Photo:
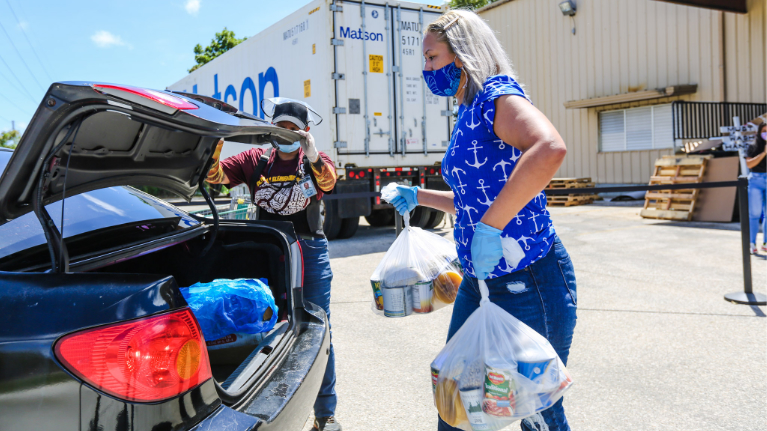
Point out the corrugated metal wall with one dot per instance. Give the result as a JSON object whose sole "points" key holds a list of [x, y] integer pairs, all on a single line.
{"points": [[623, 46], [746, 52]]}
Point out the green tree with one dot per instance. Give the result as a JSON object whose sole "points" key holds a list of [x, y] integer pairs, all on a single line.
{"points": [[224, 41], [9, 139], [469, 4]]}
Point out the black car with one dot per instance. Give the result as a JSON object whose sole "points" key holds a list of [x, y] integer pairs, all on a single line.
{"points": [[94, 332]]}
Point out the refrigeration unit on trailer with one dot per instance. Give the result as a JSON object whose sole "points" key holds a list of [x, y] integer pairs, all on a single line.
{"points": [[357, 63]]}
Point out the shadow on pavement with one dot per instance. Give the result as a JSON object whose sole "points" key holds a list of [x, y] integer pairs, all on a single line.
{"points": [[699, 225], [758, 311]]}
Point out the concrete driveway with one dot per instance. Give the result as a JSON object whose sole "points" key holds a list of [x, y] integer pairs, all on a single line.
{"points": [[656, 345]]}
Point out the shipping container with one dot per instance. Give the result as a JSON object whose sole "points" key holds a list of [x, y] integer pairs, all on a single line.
{"points": [[358, 64]]}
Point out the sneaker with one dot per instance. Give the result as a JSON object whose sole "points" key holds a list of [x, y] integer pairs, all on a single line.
{"points": [[326, 424], [753, 248]]}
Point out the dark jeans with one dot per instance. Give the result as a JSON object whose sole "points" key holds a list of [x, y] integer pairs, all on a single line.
{"points": [[757, 204], [317, 278], [543, 297]]}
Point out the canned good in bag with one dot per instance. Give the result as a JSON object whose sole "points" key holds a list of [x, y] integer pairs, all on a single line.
{"points": [[434, 379], [500, 392], [422, 293], [472, 399], [377, 295], [397, 301]]}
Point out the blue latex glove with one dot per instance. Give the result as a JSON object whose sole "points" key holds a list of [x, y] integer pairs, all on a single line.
{"points": [[486, 250], [407, 199]]}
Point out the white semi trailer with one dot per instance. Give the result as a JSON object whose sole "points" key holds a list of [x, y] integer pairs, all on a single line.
{"points": [[358, 63]]}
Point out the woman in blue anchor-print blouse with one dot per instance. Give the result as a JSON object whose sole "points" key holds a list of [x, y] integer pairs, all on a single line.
{"points": [[502, 154]]}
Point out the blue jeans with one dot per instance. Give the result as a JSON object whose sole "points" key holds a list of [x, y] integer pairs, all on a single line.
{"points": [[757, 203], [543, 297], [317, 278]]}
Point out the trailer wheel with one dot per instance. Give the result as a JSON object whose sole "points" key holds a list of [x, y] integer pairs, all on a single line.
{"points": [[380, 218], [435, 219], [420, 216], [348, 227], [331, 223]]}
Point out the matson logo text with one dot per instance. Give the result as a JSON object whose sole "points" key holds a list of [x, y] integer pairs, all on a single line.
{"points": [[358, 34]]}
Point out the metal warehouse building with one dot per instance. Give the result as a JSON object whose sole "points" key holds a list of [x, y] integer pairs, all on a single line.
{"points": [[617, 78]]}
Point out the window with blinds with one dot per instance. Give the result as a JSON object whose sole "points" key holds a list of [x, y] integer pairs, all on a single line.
{"points": [[645, 128]]}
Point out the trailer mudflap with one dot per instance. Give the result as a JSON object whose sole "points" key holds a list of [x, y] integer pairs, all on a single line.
{"points": [[353, 207]]}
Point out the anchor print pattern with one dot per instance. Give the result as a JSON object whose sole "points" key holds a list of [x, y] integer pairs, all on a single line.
{"points": [[473, 125], [458, 177], [477, 166], [482, 186], [502, 164]]}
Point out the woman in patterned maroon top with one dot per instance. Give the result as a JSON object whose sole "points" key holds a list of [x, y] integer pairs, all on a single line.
{"points": [[288, 188]]}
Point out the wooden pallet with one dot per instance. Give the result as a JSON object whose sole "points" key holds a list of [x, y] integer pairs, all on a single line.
{"points": [[674, 204], [570, 183], [573, 199]]}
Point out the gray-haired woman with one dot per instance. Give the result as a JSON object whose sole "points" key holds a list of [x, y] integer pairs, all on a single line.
{"points": [[503, 152]]}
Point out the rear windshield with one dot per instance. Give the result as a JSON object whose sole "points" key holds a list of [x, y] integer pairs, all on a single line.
{"points": [[86, 212]]}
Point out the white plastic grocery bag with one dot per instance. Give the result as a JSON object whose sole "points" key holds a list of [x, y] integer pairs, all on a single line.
{"points": [[419, 273], [495, 370]]}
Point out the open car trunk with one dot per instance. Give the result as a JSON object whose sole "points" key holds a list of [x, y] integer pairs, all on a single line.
{"points": [[240, 251], [125, 264]]}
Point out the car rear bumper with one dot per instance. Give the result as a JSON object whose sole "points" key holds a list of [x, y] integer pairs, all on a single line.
{"points": [[285, 399]]}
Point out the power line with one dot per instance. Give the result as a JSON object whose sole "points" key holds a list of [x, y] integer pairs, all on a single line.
{"points": [[22, 58], [28, 41], [16, 87], [17, 79], [14, 104]]}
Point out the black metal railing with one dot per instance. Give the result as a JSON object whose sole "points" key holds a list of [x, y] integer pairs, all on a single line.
{"points": [[701, 120]]}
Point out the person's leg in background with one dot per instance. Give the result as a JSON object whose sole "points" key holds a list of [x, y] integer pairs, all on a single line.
{"points": [[317, 280], [764, 215], [757, 184]]}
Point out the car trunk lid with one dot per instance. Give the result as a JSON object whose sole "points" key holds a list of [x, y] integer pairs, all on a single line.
{"points": [[86, 136]]}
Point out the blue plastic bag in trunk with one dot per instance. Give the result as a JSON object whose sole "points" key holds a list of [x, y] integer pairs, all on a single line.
{"points": [[224, 306]]}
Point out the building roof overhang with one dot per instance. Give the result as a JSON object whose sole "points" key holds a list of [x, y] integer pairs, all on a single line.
{"points": [[738, 6], [674, 90]]}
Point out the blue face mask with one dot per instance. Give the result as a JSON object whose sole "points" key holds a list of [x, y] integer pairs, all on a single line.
{"points": [[289, 148], [443, 82]]}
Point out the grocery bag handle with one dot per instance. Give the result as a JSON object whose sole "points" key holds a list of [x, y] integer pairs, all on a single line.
{"points": [[484, 291], [406, 219]]}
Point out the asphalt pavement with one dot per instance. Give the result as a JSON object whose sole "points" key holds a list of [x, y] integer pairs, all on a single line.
{"points": [[656, 346]]}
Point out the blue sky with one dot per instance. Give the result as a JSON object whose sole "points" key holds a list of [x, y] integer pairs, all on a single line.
{"points": [[138, 42]]}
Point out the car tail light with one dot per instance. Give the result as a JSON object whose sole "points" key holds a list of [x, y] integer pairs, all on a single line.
{"points": [[144, 360], [155, 96]]}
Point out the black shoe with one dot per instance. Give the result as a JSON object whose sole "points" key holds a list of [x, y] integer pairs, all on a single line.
{"points": [[326, 424]]}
